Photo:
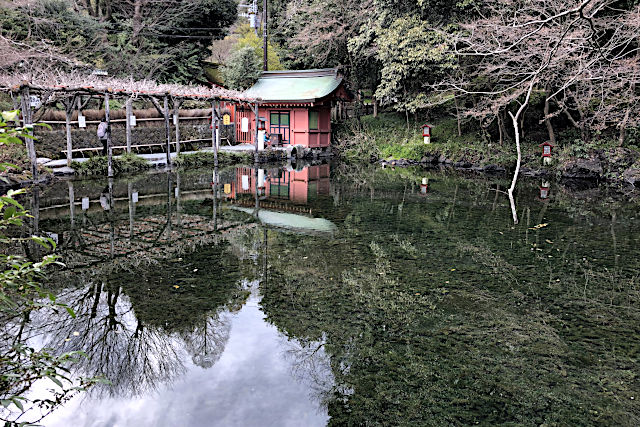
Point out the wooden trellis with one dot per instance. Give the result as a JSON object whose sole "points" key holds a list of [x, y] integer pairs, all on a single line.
{"points": [[74, 92]]}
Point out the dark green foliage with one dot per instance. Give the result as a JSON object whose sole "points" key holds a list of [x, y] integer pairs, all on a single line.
{"points": [[169, 48], [242, 69]]}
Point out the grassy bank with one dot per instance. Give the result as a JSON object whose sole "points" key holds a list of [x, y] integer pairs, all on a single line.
{"points": [[388, 137], [207, 158], [97, 166]]}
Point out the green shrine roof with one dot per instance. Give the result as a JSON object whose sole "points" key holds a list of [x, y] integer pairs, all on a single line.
{"points": [[299, 85]]}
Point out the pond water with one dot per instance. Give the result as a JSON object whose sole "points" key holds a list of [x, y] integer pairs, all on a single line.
{"points": [[336, 295]]}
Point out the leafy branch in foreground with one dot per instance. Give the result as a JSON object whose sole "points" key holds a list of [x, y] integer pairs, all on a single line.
{"points": [[21, 294]]}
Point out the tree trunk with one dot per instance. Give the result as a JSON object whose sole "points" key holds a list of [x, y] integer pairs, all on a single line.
{"points": [[515, 121], [517, 171], [547, 120], [500, 126], [455, 98], [136, 21]]}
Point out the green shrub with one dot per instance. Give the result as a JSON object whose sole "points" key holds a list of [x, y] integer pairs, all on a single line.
{"points": [[127, 163], [207, 158]]}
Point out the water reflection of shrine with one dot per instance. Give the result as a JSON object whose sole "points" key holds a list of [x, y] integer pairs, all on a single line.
{"points": [[162, 215], [278, 187]]}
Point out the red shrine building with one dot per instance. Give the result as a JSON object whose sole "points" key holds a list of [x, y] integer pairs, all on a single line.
{"points": [[296, 105]]}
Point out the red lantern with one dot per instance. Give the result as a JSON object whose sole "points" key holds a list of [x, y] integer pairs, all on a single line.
{"points": [[546, 149]]}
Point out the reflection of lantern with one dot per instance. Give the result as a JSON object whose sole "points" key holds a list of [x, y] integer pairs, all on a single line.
{"points": [[426, 133], [424, 187], [544, 190], [546, 152]]}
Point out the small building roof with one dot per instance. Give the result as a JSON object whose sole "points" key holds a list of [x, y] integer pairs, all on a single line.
{"points": [[295, 85]]}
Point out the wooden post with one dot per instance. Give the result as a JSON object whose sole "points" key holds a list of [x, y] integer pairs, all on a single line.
{"points": [[128, 118], [167, 129], [219, 123], [214, 139], [255, 112], [27, 125], [68, 109], [176, 112], [109, 150]]}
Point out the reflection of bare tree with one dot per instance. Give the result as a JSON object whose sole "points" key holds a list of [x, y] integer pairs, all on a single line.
{"points": [[312, 367], [207, 341], [133, 357]]}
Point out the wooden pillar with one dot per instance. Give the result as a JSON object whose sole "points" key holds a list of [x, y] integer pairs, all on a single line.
{"points": [[255, 112], [167, 128], [176, 112], [28, 127], [214, 138], [68, 109], [109, 150], [219, 122], [128, 124]]}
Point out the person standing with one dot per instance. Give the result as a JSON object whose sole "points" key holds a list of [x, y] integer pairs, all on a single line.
{"points": [[103, 134]]}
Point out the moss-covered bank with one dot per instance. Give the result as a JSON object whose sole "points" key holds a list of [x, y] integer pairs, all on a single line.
{"points": [[126, 163], [388, 139]]}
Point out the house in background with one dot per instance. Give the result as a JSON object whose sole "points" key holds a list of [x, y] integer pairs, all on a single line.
{"points": [[295, 105]]}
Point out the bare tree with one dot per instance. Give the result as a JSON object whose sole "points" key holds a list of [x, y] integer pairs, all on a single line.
{"points": [[573, 50]]}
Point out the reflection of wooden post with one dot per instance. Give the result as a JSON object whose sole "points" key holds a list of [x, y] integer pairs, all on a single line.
{"points": [[132, 208], [169, 206], [112, 233], [167, 128], [177, 194], [72, 207], [215, 198], [214, 139], [109, 150], [255, 180], [27, 125], [128, 124]]}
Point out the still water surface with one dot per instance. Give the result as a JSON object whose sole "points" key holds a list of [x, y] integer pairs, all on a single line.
{"points": [[333, 295]]}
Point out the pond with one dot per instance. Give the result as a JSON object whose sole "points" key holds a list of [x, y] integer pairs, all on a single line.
{"points": [[337, 295]]}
